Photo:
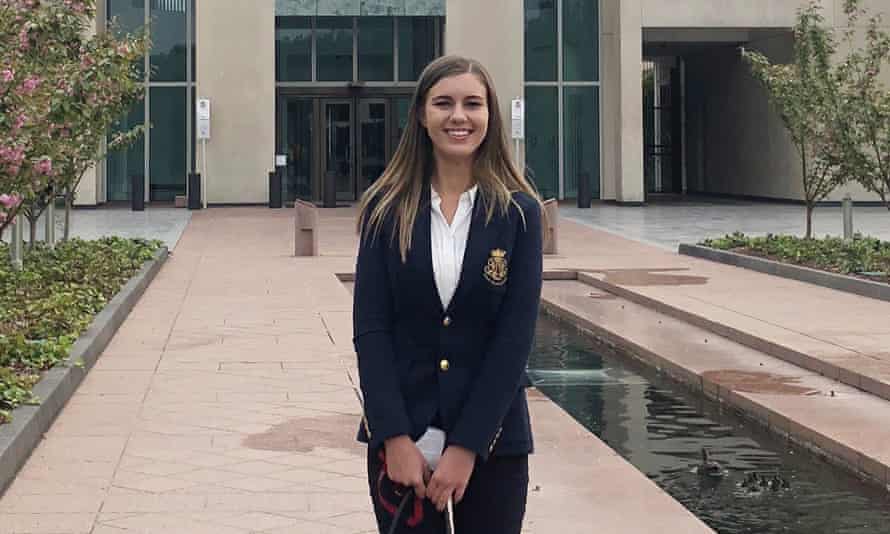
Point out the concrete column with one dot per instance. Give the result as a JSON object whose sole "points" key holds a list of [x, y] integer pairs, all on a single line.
{"points": [[622, 101], [491, 32], [89, 190], [236, 71]]}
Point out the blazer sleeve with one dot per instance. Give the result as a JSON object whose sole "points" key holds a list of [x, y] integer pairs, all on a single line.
{"points": [[500, 377], [372, 336]]}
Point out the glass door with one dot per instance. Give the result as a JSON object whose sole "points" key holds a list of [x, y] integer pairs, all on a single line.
{"points": [[296, 143], [372, 141], [337, 149]]}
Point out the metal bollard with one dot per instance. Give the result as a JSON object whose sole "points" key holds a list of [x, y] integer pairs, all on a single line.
{"points": [[17, 246], [847, 209]]}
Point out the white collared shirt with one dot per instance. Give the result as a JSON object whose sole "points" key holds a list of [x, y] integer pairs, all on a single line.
{"points": [[449, 242]]}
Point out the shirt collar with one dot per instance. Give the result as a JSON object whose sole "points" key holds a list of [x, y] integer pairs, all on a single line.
{"points": [[468, 196]]}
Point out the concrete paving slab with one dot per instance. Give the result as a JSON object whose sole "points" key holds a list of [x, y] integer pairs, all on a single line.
{"points": [[828, 331], [667, 224], [247, 417]]}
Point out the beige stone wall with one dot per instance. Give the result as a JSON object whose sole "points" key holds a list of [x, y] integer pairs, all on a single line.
{"points": [[236, 71], [622, 97], [490, 31], [717, 13], [736, 144], [91, 190], [744, 146]]}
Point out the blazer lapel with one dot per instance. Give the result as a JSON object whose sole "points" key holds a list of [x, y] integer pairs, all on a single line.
{"points": [[476, 254], [422, 257]]}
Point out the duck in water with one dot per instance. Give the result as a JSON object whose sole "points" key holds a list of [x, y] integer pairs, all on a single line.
{"points": [[708, 467], [756, 483]]}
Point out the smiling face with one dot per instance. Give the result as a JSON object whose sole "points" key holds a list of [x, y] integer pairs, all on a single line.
{"points": [[455, 116]]}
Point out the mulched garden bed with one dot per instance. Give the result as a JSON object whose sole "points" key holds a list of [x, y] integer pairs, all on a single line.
{"points": [[45, 307], [865, 258]]}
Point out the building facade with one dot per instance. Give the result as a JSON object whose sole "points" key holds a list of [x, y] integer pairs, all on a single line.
{"points": [[630, 98]]}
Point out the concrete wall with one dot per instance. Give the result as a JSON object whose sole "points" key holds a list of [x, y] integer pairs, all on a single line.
{"points": [[236, 71], [91, 190], [622, 100], [491, 32], [717, 13], [736, 142]]}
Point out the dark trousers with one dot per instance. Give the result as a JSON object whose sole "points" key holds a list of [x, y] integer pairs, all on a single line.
{"points": [[494, 502]]}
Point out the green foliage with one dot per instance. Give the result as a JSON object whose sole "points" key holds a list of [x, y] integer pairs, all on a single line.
{"points": [[52, 300], [61, 87], [865, 103], [15, 390], [856, 256], [806, 94]]}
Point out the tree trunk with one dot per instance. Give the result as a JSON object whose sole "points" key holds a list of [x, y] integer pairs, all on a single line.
{"points": [[810, 207], [32, 234], [67, 216]]}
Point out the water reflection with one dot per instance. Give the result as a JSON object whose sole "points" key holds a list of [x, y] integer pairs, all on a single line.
{"points": [[661, 428]]}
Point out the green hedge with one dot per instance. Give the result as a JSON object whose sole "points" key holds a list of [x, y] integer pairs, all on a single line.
{"points": [[864, 256], [46, 306]]}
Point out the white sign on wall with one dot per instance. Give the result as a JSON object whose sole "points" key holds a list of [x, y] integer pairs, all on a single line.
{"points": [[202, 113], [518, 115]]}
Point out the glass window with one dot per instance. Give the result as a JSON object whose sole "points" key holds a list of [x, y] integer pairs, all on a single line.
{"points": [[124, 17], [293, 49], [167, 158], [334, 48], [417, 46], [582, 144], [542, 139], [193, 135], [194, 43], [540, 40], [169, 36], [580, 33], [129, 161], [403, 107], [375, 49]]}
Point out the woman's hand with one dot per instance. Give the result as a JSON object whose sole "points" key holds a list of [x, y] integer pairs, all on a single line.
{"points": [[406, 465], [451, 476]]}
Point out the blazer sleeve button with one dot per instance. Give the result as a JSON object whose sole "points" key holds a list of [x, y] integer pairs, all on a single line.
{"points": [[444, 365]]}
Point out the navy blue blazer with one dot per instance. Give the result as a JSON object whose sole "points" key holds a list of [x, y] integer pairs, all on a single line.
{"points": [[463, 366]]}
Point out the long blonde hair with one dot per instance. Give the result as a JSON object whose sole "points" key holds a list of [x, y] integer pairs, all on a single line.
{"points": [[397, 193]]}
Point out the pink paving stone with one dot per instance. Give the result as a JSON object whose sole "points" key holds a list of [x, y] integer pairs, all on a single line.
{"points": [[807, 318], [246, 340]]}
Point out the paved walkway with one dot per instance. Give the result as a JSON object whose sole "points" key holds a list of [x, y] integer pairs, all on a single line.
{"points": [[848, 332], [668, 223], [166, 224], [222, 406]]}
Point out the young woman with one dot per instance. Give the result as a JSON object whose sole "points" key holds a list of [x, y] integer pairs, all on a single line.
{"points": [[447, 287]]}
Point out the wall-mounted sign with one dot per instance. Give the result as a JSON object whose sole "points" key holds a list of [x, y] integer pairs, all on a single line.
{"points": [[518, 115], [202, 113]]}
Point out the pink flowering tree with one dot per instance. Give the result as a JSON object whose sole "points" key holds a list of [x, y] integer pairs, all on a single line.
{"points": [[60, 90]]}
